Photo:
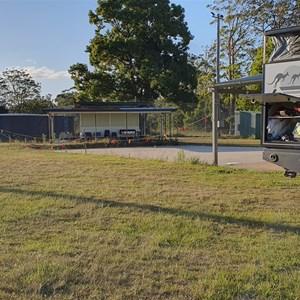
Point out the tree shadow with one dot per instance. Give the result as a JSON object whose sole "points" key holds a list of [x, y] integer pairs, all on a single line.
{"points": [[164, 210]]}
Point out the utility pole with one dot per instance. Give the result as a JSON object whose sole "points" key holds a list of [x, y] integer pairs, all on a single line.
{"points": [[216, 97]]}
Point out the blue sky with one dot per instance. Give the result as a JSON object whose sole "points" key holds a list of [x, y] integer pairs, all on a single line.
{"points": [[46, 37]]}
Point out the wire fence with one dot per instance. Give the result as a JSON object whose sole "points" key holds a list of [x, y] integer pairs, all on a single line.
{"points": [[198, 126]]}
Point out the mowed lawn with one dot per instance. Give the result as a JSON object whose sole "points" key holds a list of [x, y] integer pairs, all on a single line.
{"points": [[75, 226]]}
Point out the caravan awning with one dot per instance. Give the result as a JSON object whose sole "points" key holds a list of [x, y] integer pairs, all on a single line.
{"points": [[271, 97], [237, 86]]}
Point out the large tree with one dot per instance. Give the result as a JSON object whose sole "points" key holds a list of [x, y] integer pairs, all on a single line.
{"points": [[205, 64], [139, 52], [271, 14], [17, 89], [66, 98], [237, 45]]}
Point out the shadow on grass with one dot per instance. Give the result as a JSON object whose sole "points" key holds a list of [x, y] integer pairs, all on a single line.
{"points": [[164, 210]]}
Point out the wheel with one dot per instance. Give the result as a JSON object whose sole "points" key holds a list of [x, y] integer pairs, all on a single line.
{"points": [[290, 174]]}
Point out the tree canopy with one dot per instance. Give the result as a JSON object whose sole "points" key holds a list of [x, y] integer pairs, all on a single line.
{"points": [[19, 93], [66, 98], [17, 88], [139, 52]]}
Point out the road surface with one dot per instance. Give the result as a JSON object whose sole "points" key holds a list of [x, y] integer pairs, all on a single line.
{"points": [[238, 157]]}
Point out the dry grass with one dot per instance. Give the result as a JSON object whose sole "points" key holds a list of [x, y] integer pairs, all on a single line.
{"points": [[102, 227], [203, 138]]}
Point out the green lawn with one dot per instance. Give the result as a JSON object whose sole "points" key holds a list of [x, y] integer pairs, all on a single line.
{"points": [[77, 226]]}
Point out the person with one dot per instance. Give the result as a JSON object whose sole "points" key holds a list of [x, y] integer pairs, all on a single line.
{"points": [[296, 130], [297, 108], [279, 127]]}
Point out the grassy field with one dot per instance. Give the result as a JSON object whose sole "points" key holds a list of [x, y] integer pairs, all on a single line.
{"points": [[79, 226], [202, 138]]}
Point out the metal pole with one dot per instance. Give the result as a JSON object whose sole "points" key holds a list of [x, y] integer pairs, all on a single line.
{"points": [[218, 68], [49, 127], [95, 126], [216, 97], [218, 48], [161, 126], [52, 128], [215, 128], [264, 48], [170, 126]]}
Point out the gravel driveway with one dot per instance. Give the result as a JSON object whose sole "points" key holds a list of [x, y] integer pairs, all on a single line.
{"points": [[238, 157]]}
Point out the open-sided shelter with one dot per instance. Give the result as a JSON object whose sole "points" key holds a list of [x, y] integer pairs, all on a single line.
{"points": [[112, 119]]}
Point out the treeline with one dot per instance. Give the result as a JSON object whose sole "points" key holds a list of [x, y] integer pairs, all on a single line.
{"points": [[19, 93], [140, 52]]}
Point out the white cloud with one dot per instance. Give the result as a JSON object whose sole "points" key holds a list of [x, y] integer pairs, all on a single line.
{"points": [[52, 82], [31, 61], [46, 73]]}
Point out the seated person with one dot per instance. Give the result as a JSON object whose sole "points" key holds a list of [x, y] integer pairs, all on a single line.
{"points": [[281, 128]]}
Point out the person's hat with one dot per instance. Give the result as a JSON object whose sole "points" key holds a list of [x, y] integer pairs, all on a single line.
{"points": [[283, 112]]}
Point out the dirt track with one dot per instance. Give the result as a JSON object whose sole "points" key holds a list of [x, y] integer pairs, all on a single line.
{"points": [[237, 157]]}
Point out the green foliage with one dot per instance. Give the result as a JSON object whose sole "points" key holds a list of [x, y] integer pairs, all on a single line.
{"points": [[91, 86], [139, 52], [36, 106], [154, 120], [257, 65], [18, 91], [204, 64], [272, 14], [241, 39], [237, 46], [235, 41], [256, 68], [66, 98]]}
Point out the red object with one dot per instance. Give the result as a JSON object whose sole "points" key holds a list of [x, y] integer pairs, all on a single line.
{"points": [[182, 129], [205, 119], [63, 146], [114, 142], [147, 139]]}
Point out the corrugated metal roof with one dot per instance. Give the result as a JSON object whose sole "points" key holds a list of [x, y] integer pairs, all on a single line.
{"points": [[23, 115], [112, 110], [109, 105]]}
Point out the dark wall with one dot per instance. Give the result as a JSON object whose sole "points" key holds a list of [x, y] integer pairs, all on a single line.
{"points": [[63, 124], [14, 126], [249, 124], [29, 126]]}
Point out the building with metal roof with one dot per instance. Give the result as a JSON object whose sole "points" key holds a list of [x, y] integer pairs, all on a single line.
{"points": [[112, 119]]}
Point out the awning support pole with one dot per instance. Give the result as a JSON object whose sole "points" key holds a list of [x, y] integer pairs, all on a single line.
{"points": [[52, 127], [144, 133], [215, 131], [170, 125]]}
